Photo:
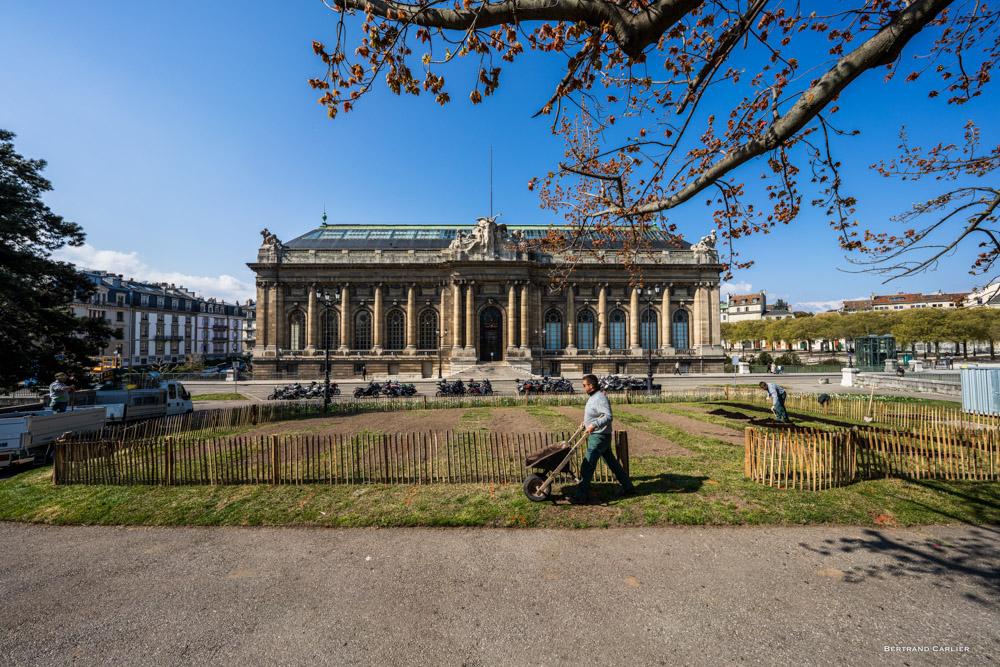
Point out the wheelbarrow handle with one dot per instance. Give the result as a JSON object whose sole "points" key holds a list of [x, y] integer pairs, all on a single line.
{"points": [[558, 469]]}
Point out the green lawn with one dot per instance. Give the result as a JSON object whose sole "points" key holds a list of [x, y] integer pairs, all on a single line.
{"points": [[707, 488]]}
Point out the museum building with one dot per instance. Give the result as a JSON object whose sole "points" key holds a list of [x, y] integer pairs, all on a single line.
{"points": [[419, 300]]}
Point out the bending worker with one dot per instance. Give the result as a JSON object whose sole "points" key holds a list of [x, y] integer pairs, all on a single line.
{"points": [[597, 420], [777, 395]]}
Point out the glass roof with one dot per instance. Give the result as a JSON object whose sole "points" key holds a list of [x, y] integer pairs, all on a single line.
{"points": [[417, 232]]}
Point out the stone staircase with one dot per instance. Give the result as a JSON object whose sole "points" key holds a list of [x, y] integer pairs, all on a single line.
{"points": [[497, 370]]}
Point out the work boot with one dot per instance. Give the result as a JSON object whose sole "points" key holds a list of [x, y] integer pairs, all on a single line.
{"points": [[622, 492]]}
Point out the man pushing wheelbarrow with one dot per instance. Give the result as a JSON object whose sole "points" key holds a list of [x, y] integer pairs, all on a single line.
{"points": [[596, 424]]}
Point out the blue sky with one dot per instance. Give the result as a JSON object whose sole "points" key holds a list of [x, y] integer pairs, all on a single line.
{"points": [[175, 132]]}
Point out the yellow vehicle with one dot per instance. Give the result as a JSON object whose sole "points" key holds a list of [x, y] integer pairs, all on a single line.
{"points": [[106, 368]]}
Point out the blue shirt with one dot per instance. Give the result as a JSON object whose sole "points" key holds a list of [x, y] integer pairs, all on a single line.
{"points": [[598, 412], [774, 391]]}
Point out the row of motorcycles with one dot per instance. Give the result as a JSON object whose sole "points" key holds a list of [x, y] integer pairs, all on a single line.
{"points": [[630, 383], [546, 385], [296, 392], [459, 388], [391, 388]]}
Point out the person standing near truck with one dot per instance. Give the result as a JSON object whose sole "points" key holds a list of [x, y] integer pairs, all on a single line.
{"points": [[59, 393], [597, 419]]}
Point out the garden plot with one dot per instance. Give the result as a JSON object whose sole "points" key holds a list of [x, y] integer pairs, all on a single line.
{"points": [[640, 443]]}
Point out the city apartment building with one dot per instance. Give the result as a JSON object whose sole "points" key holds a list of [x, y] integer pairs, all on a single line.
{"points": [[744, 307], [162, 323], [249, 325], [989, 297], [404, 299], [903, 301]]}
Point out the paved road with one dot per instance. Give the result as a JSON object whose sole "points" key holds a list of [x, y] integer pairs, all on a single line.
{"points": [[816, 595], [258, 391]]}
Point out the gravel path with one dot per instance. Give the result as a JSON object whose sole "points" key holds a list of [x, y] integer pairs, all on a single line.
{"points": [[295, 596]]}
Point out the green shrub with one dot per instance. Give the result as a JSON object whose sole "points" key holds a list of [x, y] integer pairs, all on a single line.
{"points": [[828, 362], [764, 359], [788, 359]]}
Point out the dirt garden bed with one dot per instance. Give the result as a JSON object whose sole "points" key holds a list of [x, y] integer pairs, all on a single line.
{"points": [[690, 425], [640, 443]]}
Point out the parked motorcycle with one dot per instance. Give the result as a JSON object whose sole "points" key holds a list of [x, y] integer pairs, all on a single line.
{"points": [[446, 388], [374, 389]]}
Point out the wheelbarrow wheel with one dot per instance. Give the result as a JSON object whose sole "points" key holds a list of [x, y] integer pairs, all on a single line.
{"points": [[533, 488]]}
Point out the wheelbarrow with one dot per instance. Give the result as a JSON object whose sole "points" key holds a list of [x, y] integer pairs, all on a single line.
{"points": [[552, 460]]}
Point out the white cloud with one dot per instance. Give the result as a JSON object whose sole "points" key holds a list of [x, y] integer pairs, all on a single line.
{"points": [[818, 306], [131, 265], [736, 288]]}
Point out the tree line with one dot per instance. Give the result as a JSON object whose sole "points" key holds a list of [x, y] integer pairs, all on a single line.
{"points": [[931, 326]]}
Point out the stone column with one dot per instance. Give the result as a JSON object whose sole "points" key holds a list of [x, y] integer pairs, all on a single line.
{"points": [[525, 301], [345, 319], [696, 325], [715, 337], [470, 316], [456, 316], [442, 320], [411, 320], [279, 317], [312, 319], [667, 315], [570, 320], [602, 319], [633, 322], [263, 318], [377, 327], [511, 316]]}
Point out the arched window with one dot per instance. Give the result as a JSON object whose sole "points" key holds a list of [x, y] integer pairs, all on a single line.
{"points": [[363, 330], [585, 330], [553, 330], [428, 330], [395, 330], [681, 330], [331, 330], [616, 330], [297, 331], [648, 329]]}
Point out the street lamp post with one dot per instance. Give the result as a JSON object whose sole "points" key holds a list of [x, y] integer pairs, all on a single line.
{"points": [[441, 338], [327, 298], [649, 293], [541, 349]]}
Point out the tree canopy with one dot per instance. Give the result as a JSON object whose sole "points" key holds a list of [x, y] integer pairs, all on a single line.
{"points": [[664, 103], [38, 333], [908, 327]]}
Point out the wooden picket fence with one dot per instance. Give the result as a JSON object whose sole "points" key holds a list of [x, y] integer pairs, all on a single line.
{"points": [[397, 458], [815, 460], [888, 413]]}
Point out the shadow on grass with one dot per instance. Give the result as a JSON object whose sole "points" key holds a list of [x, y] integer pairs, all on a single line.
{"points": [[647, 485], [769, 422], [901, 554]]}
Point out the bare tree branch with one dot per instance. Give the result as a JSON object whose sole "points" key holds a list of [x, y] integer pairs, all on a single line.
{"points": [[881, 49], [632, 32]]}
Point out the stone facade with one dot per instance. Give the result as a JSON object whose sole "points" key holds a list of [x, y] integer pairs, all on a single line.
{"points": [[416, 300]]}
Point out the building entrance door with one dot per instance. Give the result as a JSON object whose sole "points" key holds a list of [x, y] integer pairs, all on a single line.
{"points": [[490, 335]]}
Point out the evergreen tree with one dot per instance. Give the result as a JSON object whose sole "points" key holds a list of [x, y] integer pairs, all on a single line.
{"points": [[38, 333]]}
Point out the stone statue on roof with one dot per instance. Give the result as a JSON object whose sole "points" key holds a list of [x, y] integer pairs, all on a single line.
{"points": [[486, 240], [704, 250], [270, 240]]}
